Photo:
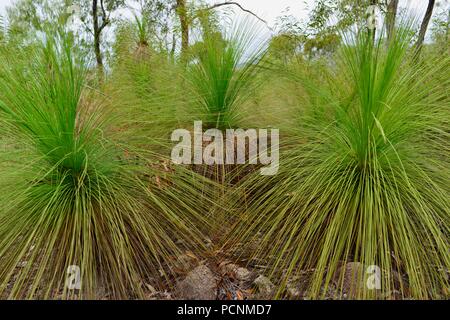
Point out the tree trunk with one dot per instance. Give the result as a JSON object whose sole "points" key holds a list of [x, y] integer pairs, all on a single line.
{"points": [[424, 25], [97, 36], [182, 13], [172, 50], [390, 18]]}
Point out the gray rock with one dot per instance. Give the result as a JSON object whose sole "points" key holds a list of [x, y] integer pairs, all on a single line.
{"points": [[227, 268], [242, 274], [265, 287], [199, 284], [237, 272]]}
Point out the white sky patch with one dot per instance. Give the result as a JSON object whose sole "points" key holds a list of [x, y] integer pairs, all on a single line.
{"points": [[269, 10], [3, 4]]}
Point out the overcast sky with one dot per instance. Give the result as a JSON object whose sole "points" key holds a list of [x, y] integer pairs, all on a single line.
{"points": [[270, 9]]}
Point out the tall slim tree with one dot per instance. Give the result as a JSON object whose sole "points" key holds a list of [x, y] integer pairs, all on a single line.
{"points": [[184, 22], [424, 25], [98, 28], [96, 16], [392, 8]]}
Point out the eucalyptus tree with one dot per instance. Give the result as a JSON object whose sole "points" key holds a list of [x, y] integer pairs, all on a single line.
{"points": [[96, 17]]}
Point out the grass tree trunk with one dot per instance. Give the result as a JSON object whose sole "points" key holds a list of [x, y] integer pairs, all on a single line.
{"points": [[424, 25]]}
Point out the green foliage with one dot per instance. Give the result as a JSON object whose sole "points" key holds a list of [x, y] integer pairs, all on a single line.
{"points": [[285, 46], [364, 179], [154, 23], [223, 73], [27, 18], [76, 191], [87, 181], [441, 30], [146, 83], [141, 29]]}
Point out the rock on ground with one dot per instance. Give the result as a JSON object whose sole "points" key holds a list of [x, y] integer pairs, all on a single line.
{"points": [[199, 284], [265, 287]]}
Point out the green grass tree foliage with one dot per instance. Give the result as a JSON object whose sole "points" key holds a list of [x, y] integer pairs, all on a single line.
{"points": [[146, 83], [223, 73], [72, 195], [364, 179]]}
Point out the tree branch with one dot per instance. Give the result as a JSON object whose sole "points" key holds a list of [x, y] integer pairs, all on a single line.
{"points": [[217, 5], [105, 20], [88, 29], [103, 8]]}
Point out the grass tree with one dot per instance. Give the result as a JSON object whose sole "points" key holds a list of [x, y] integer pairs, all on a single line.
{"points": [[364, 179], [223, 74], [145, 82], [74, 190]]}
